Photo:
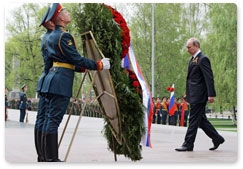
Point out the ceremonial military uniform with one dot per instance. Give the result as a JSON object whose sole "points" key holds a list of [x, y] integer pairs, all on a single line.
{"points": [[164, 110], [42, 104], [58, 82], [6, 103], [23, 104]]}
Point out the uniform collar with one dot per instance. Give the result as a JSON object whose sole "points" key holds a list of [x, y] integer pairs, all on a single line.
{"points": [[58, 27]]}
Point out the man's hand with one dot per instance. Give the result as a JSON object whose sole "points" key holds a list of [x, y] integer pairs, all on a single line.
{"points": [[210, 99]]}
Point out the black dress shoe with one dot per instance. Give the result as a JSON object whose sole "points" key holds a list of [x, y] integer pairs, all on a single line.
{"points": [[184, 148], [216, 144]]}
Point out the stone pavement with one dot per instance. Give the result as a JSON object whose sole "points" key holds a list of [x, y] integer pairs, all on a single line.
{"points": [[90, 146]]}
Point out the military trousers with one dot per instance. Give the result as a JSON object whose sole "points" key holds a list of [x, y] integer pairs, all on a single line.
{"points": [[22, 115], [56, 108], [41, 113]]}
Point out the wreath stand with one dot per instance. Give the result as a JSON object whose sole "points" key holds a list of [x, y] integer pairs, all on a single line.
{"points": [[103, 86]]}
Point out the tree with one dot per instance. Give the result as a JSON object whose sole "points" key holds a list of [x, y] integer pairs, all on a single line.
{"points": [[22, 49], [221, 45], [170, 66]]}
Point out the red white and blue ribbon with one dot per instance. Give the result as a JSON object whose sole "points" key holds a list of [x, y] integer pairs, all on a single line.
{"points": [[147, 97]]}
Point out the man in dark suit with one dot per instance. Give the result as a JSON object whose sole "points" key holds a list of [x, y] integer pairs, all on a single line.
{"points": [[199, 90]]}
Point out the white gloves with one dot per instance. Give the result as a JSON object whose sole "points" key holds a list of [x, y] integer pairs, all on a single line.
{"points": [[106, 63]]}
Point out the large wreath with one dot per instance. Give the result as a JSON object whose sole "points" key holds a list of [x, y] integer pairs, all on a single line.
{"points": [[113, 37]]}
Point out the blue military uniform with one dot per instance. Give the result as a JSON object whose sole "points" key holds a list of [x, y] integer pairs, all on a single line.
{"points": [[42, 104], [23, 105], [58, 83]]}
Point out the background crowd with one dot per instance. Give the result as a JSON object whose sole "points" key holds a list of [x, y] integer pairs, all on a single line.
{"points": [[162, 115]]}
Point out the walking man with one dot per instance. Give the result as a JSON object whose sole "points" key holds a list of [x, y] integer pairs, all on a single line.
{"points": [[199, 90]]}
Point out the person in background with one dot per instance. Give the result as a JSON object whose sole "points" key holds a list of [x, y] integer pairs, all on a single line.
{"points": [[179, 110], [185, 107], [58, 83], [199, 90], [23, 103], [154, 110], [164, 109], [158, 110], [176, 115], [6, 103]]}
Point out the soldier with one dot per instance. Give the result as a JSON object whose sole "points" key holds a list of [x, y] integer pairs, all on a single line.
{"points": [[6, 103], [164, 107], [158, 110], [41, 113], [58, 83], [23, 103], [185, 108]]}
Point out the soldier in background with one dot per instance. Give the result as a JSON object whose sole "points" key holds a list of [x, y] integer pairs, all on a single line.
{"points": [[164, 107], [23, 103], [6, 103]]}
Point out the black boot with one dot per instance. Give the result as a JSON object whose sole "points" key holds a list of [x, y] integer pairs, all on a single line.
{"points": [[38, 134], [51, 148], [43, 140]]}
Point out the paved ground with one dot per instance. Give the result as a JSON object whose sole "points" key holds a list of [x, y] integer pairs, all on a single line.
{"points": [[90, 147]]}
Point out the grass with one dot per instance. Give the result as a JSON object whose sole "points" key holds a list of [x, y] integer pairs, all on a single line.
{"points": [[223, 124]]}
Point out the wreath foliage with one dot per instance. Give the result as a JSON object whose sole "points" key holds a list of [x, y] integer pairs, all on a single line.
{"points": [[112, 37]]}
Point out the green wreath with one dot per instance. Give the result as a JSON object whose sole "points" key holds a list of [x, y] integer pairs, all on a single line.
{"points": [[112, 35]]}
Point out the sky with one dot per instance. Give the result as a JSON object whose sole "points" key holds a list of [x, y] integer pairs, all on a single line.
{"points": [[10, 5]]}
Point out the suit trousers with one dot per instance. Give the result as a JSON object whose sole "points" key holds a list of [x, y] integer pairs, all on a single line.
{"points": [[198, 119]]}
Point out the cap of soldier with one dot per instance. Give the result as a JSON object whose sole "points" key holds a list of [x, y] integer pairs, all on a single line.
{"points": [[23, 86], [45, 16], [55, 10]]}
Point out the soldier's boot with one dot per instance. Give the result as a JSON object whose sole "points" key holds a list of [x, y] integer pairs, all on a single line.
{"points": [[37, 138], [51, 148], [43, 140]]}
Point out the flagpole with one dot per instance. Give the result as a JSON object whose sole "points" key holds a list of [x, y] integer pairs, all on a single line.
{"points": [[152, 49]]}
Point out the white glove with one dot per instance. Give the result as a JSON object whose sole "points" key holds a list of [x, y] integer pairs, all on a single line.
{"points": [[106, 63]]}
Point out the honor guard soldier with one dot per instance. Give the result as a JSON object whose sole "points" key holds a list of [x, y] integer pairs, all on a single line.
{"points": [[164, 110], [41, 113], [58, 82], [6, 103], [23, 103]]}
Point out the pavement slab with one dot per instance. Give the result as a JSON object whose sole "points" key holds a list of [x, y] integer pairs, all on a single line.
{"points": [[90, 146]]}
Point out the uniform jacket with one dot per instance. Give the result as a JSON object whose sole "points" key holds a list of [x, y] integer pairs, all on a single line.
{"points": [[200, 80], [47, 62], [61, 47], [23, 101]]}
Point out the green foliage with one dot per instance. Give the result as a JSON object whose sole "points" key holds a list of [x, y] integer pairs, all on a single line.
{"points": [[170, 65], [215, 25], [98, 19], [223, 52], [23, 59]]}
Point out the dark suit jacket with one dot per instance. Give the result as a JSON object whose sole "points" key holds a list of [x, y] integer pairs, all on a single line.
{"points": [[200, 80]]}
